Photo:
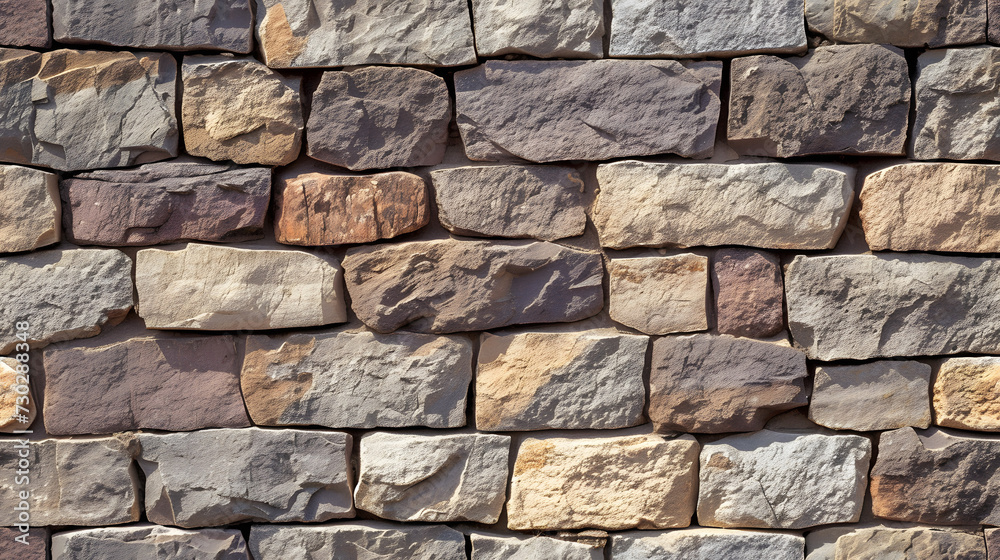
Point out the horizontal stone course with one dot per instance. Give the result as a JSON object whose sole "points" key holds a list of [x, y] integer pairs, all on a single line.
{"points": [[934, 23], [149, 541], [356, 540]]}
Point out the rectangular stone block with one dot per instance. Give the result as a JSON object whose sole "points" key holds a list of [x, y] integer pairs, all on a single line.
{"points": [[32, 544], [883, 395], [933, 23], [749, 293], [566, 28], [659, 295], [698, 542], [358, 540], [25, 23], [965, 393], [876, 543], [149, 541], [495, 547], [30, 212], [15, 413]]}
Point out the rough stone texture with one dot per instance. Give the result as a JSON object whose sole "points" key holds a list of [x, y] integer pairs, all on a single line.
{"points": [[149, 541], [707, 543], [490, 547], [24, 23], [173, 384], [614, 483], [653, 28], [539, 381], [848, 99], [29, 208], [358, 540], [538, 201], [659, 295], [166, 202], [459, 477], [993, 34], [545, 111], [542, 28], [770, 205], [58, 104], [357, 379], [749, 294], [72, 482], [377, 117], [934, 23], [449, 285], [937, 476], [36, 547], [155, 24], [892, 304], [324, 209], [238, 109], [874, 396], [910, 544], [63, 294], [224, 288], [782, 480], [716, 384], [302, 33], [12, 395], [267, 475], [965, 394], [992, 535]]}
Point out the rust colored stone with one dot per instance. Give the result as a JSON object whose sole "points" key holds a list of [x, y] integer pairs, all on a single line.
{"points": [[748, 293]]}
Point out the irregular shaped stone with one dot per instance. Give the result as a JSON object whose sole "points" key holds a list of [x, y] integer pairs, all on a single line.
{"points": [[875, 396], [716, 384], [659, 295], [707, 543], [749, 294], [770, 205], [545, 28], [489, 547], [70, 481], [843, 99], [992, 535], [378, 117], [892, 304], [302, 33], [318, 208], [33, 543], [614, 483], [17, 397], [29, 208], [153, 24], [357, 540], [220, 288], [936, 23], [782, 480], [580, 380], [149, 541], [58, 105], [63, 294], [593, 110], [235, 108], [448, 285], [166, 202], [357, 379], [460, 477], [268, 475], [653, 28], [877, 543], [25, 23], [538, 201], [173, 384], [965, 394]]}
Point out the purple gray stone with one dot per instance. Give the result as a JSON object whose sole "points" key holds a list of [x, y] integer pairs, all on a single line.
{"points": [[149, 541]]}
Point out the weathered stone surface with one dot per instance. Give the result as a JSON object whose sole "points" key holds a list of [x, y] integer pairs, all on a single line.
{"points": [[149, 541], [579, 380], [302, 33], [315, 208], [24, 23], [877, 543], [544, 28], [449, 285], [29, 208], [166, 202], [681, 29], [459, 477], [489, 547], [358, 540], [937, 476], [223, 25], [848, 99], [707, 543], [892, 304], [71, 482], [993, 34], [875, 396], [173, 384], [644, 482], [212, 287], [63, 294], [33, 546], [238, 109], [539, 201], [659, 295], [357, 379], [268, 475], [992, 535], [934, 23], [770, 205], [715, 384], [378, 117], [749, 294], [782, 480], [545, 111], [965, 394], [58, 105], [16, 391]]}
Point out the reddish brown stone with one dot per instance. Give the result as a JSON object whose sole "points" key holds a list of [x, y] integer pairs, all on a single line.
{"points": [[24, 23], [31, 546], [748, 293]]}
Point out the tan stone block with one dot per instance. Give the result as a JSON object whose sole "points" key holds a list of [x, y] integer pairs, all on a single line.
{"points": [[660, 295]]}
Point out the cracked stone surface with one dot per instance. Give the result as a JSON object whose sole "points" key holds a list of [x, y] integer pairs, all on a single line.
{"points": [[24, 23], [495, 547], [29, 209], [933, 23], [965, 394], [883, 395], [749, 293], [149, 541], [659, 295], [542, 28], [876, 543], [705, 543], [357, 540]]}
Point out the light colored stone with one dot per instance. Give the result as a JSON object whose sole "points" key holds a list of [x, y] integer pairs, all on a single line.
{"points": [[874, 396], [149, 541], [358, 540], [17, 396], [613, 483], [933, 23], [700, 543], [212, 287], [749, 294], [30, 215], [659, 295], [542, 28], [910, 544], [769, 205], [782, 480], [966, 394], [580, 380], [443, 478], [490, 547]]}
